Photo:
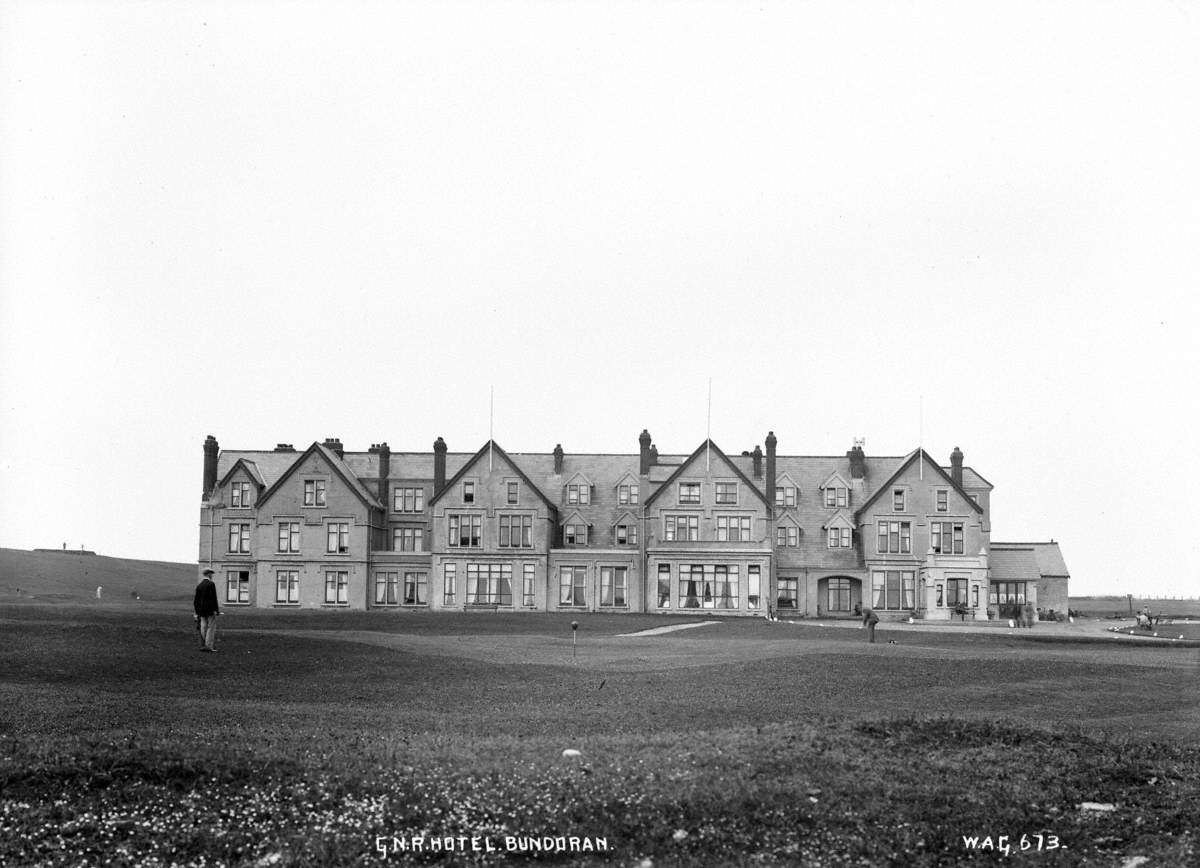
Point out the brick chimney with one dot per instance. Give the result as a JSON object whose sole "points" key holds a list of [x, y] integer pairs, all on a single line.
{"points": [[385, 467], [558, 458], [858, 462], [439, 466], [653, 455], [644, 443], [284, 447], [956, 458], [334, 445], [210, 465], [757, 456], [771, 441]]}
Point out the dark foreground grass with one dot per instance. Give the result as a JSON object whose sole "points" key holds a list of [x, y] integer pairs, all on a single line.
{"points": [[119, 744]]}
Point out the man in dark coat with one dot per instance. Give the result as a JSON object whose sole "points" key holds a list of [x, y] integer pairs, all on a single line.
{"points": [[870, 619], [207, 611]]}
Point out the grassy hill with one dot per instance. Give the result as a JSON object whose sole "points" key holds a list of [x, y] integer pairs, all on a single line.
{"points": [[72, 577]]}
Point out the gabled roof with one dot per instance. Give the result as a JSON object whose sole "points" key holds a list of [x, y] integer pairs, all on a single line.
{"points": [[574, 517], [787, 518], [838, 519], [578, 474], [1013, 564], [782, 477], [907, 463], [700, 451], [835, 477], [625, 517], [251, 470], [495, 447], [336, 464], [627, 479], [1047, 555]]}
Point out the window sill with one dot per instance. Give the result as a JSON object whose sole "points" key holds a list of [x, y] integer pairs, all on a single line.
{"points": [[335, 605], [285, 606]]}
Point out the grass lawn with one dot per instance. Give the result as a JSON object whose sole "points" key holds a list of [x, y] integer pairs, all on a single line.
{"points": [[309, 734]]}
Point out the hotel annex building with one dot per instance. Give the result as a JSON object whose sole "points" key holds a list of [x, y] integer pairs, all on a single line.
{"points": [[749, 534]]}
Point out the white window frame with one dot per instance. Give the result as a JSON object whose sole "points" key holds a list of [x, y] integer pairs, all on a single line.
{"points": [[292, 547], [405, 495], [337, 537], [239, 495], [690, 497], [722, 492], [239, 587], [287, 582], [240, 545], [340, 587], [314, 493]]}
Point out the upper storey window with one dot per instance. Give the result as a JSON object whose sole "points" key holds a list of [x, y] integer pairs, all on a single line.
{"points": [[627, 494], [689, 492], [314, 492], [898, 499], [726, 492], [408, 500], [239, 495], [785, 496], [579, 493], [836, 498], [468, 492], [943, 500], [514, 492]]}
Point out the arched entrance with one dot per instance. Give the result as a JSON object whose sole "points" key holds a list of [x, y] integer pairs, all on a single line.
{"points": [[839, 595]]}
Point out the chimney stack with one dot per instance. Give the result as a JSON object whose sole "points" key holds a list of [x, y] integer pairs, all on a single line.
{"points": [[334, 445], [956, 458], [439, 466], [210, 465], [771, 441], [385, 468], [757, 456], [558, 458], [644, 442], [653, 455], [284, 447], [858, 462]]}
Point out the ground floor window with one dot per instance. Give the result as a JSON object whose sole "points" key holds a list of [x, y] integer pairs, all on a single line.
{"points": [[387, 589], [336, 587], [1008, 597], [708, 586], [664, 586], [287, 586], [416, 589], [956, 592], [789, 593], [527, 584], [839, 595], [753, 586], [489, 583], [614, 586], [893, 589], [571, 582], [237, 586], [450, 582]]}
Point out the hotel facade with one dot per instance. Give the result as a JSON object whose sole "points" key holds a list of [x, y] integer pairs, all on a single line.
{"points": [[756, 533]]}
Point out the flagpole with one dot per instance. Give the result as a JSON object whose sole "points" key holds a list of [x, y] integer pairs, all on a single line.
{"points": [[921, 433], [708, 431], [491, 422]]}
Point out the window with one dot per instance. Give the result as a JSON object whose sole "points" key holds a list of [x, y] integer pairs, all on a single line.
{"points": [[785, 496], [513, 492], [789, 594], [570, 585], [941, 596], [898, 499], [527, 585], [681, 527], [516, 531], [336, 586], [489, 583], [237, 586], [579, 493], [626, 534], [449, 582], [689, 492], [408, 539], [664, 586], [946, 537], [708, 586], [575, 534], [468, 492], [975, 595], [337, 537], [836, 498], [287, 586], [726, 492], [239, 538], [614, 586], [753, 586], [956, 592], [239, 495], [839, 537], [895, 537], [733, 528], [787, 535], [839, 595], [416, 589], [465, 530], [314, 492], [289, 537], [387, 589], [943, 500], [1008, 594], [408, 500], [893, 589], [627, 494]]}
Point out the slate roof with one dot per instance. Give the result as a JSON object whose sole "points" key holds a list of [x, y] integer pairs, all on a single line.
{"points": [[1013, 564], [1047, 556]]}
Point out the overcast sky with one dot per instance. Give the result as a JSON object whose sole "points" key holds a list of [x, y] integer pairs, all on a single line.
{"points": [[280, 222]]}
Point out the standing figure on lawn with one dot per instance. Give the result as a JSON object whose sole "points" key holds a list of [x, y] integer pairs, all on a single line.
{"points": [[870, 619], [207, 610]]}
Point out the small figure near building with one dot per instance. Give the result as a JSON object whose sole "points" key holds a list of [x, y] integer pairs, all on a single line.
{"points": [[207, 610], [870, 619]]}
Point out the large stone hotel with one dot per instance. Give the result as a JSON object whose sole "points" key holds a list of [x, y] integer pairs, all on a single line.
{"points": [[755, 533]]}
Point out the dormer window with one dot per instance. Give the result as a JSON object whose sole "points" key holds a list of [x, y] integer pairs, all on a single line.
{"points": [[579, 493], [626, 534], [836, 498], [726, 492], [239, 495], [943, 500], [314, 492], [627, 494], [575, 534], [898, 499], [785, 496], [468, 492], [689, 492]]}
